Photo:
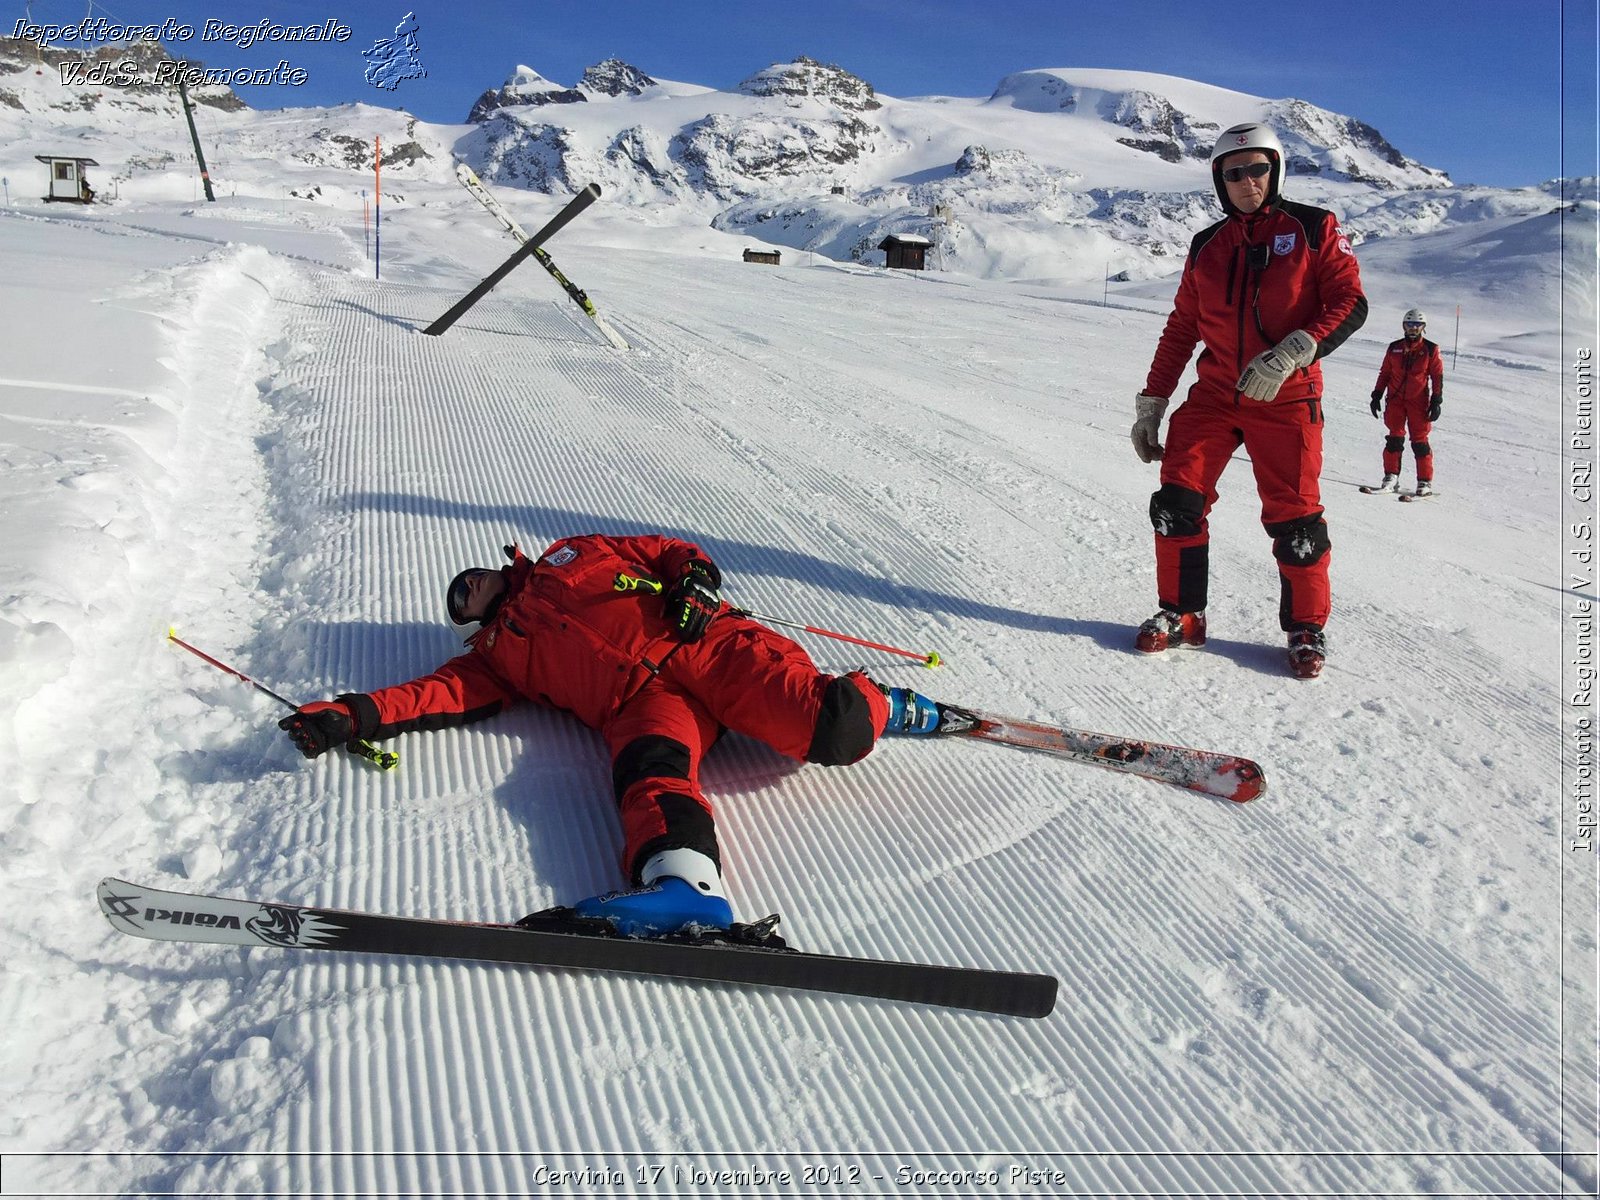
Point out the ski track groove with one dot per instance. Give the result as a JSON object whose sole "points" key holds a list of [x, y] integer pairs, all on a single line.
{"points": [[1426, 657], [1122, 1115], [796, 475], [1496, 698], [393, 419]]}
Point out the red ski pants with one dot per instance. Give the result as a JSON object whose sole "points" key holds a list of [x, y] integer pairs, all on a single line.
{"points": [[1398, 419], [740, 676], [1284, 442]]}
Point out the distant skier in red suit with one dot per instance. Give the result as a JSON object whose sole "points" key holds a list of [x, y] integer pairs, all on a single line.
{"points": [[1413, 376]]}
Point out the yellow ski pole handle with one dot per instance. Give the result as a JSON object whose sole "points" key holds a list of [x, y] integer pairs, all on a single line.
{"points": [[386, 760]]}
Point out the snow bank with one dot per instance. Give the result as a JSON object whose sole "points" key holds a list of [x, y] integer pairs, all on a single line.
{"points": [[125, 505]]}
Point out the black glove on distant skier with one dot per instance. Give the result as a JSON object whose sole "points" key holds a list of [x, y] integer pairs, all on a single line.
{"points": [[1435, 409], [693, 600], [1377, 399], [319, 726]]}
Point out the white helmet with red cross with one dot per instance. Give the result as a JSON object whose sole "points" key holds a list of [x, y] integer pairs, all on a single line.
{"points": [[1252, 135]]}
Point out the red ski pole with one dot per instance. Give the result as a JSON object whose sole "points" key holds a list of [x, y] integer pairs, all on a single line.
{"points": [[386, 759], [930, 659], [631, 583]]}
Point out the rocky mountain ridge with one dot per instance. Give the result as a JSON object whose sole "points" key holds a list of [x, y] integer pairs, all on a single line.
{"points": [[1057, 173], [112, 74]]}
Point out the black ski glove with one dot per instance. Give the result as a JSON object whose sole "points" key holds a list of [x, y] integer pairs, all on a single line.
{"points": [[1435, 409], [693, 600], [319, 726], [1377, 399]]}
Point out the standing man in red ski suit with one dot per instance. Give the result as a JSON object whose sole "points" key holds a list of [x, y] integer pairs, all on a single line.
{"points": [[661, 668], [1413, 375], [1269, 290]]}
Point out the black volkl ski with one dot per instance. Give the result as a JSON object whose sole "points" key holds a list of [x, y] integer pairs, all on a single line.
{"points": [[748, 954]]}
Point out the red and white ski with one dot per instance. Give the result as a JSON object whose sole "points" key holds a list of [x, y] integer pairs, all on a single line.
{"points": [[1226, 775]]}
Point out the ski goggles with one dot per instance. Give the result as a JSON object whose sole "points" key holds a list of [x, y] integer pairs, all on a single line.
{"points": [[1413, 324], [1248, 171]]}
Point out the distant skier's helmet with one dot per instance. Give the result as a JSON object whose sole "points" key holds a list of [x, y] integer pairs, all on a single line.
{"points": [[1414, 316], [1249, 136]]}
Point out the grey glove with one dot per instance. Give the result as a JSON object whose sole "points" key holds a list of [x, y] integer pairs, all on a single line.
{"points": [[1146, 431], [1267, 370]]}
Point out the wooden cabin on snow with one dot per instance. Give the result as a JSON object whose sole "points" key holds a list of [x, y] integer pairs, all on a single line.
{"points": [[905, 251]]}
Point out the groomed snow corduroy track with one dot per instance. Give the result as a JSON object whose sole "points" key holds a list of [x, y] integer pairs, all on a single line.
{"points": [[1316, 993]]}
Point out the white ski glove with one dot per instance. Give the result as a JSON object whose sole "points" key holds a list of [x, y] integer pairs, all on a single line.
{"points": [[1146, 432], [1267, 370]]}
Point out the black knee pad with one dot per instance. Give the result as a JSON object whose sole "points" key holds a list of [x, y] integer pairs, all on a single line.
{"points": [[844, 726], [1176, 511], [1421, 449], [650, 757], [1301, 542], [688, 827], [1394, 444]]}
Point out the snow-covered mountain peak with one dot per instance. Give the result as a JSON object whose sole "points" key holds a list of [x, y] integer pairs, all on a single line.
{"points": [[1056, 175], [525, 87], [809, 79], [527, 79], [1088, 89], [1322, 142], [613, 77], [1179, 119], [40, 79]]}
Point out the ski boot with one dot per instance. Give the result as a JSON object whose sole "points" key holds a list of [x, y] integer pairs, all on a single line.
{"points": [[1391, 484], [1424, 488], [1307, 652], [681, 893], [911, 712], [1168, 629]]}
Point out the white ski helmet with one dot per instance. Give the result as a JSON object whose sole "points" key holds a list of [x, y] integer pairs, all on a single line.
{"points": [[1251, 135], [1414, 315]]}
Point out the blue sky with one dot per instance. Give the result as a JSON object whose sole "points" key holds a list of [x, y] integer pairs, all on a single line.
{"points": [[1489, 91]]}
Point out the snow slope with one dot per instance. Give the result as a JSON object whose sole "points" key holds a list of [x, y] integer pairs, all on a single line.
{"points": [[216, 418]]}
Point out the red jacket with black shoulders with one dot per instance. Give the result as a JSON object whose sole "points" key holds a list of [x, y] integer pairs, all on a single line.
{"points": [[1251, 280]]}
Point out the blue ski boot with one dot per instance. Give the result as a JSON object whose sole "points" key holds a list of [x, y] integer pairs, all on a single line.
{"points": [[911, 712], [681, 893]]}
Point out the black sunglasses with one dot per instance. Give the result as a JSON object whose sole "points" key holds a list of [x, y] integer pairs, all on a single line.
{"points": [[456, 601], [1250, 171]]}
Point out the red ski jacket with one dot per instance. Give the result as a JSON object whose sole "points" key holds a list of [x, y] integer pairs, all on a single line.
{"points": [[1248, 283], [1413, 373], [563, 637]]}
